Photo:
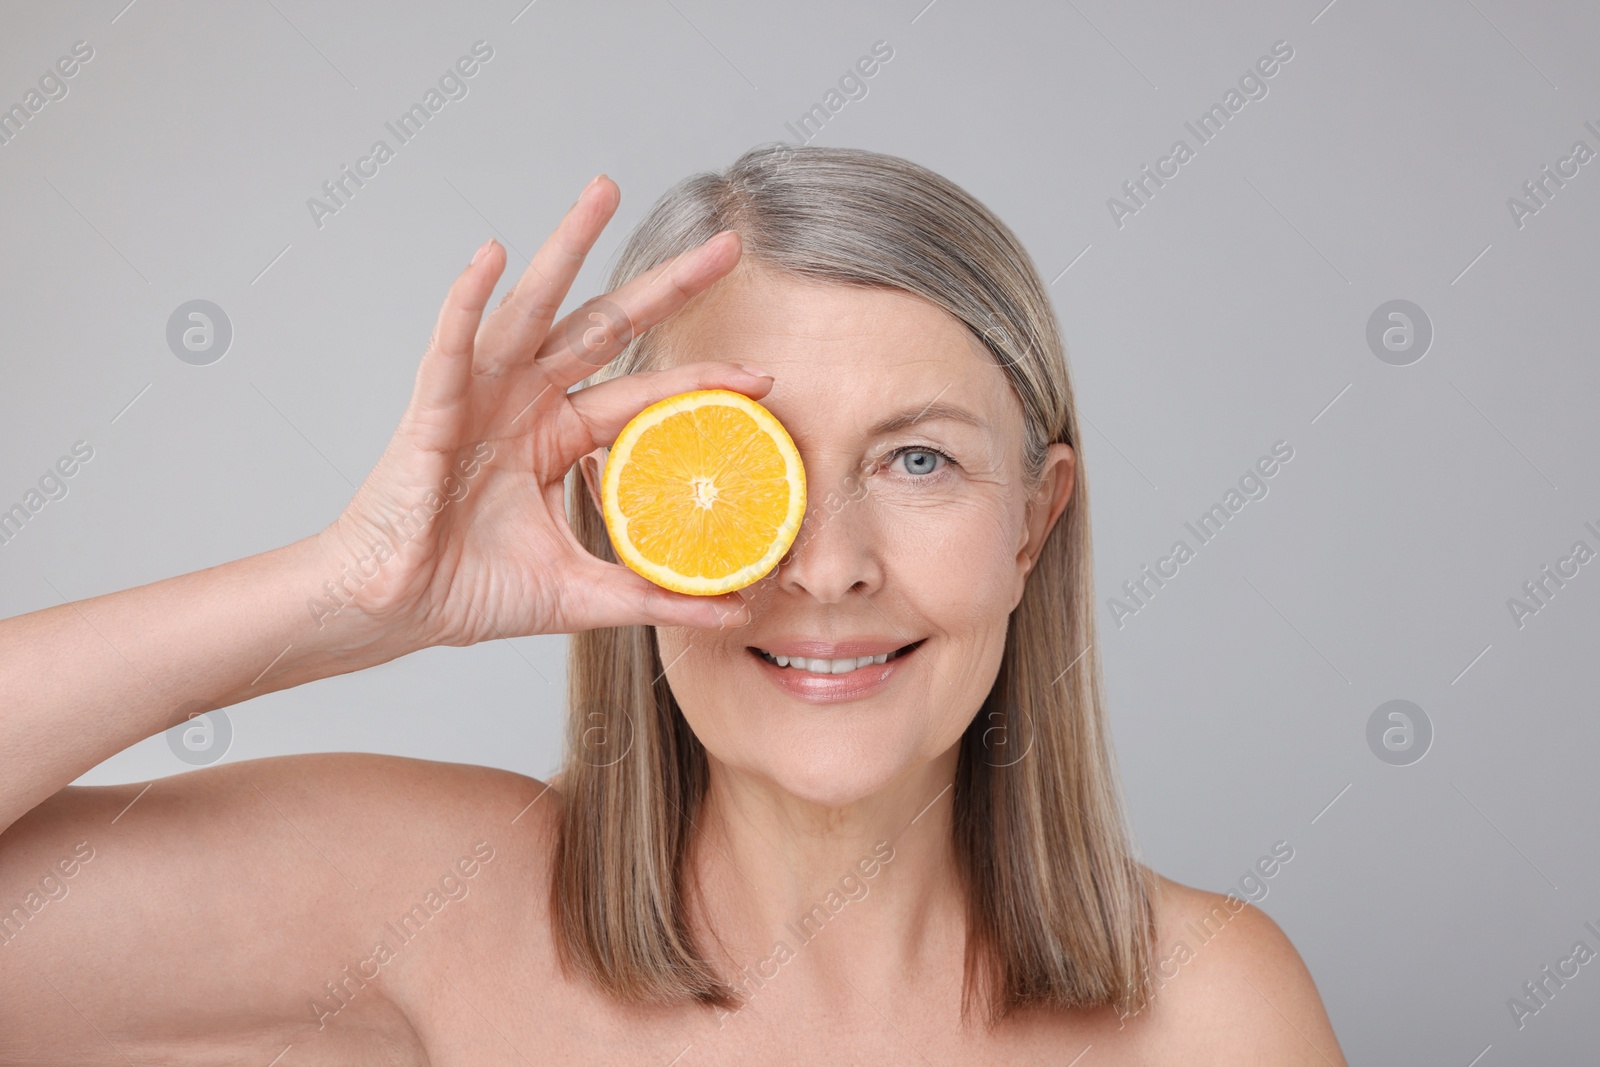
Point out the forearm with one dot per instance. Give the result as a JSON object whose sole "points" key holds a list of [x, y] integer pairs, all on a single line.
{"points": [[83, 681]]}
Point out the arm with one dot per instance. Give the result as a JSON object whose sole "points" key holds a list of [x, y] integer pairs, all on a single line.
{"points": [[193, 915], [83, 681], [490, 433]]}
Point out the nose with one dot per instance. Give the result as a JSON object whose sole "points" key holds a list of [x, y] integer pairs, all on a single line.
{"points": [[836, 552]]}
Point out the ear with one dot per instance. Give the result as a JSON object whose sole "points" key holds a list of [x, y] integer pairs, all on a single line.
{"points": [[591, 465], [1045, 507]]}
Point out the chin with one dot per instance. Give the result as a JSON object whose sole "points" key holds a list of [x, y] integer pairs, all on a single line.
{"points": [[837, 777], [829, 791]]}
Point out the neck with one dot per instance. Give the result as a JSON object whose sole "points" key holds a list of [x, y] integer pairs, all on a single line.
{"points": [[818, 891]]}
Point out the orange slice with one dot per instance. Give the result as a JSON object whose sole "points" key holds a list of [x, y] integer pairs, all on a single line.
{"points": [[703, 492]]}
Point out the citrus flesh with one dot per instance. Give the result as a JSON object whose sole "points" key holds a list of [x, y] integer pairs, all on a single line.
{"points": [[703, 492]]}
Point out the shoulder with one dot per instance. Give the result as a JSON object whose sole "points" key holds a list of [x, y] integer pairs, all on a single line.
{"points": [[399, 843], [398, 812], [266, 877], [357, 820], [358, 795], [1228, 983]]}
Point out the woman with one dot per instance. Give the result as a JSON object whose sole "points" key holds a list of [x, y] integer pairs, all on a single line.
{"points": [[865, 809]]}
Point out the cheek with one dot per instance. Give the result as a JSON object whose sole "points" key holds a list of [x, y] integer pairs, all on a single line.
{"points": [[956, 570], [701, 673], [687, 657], [960, 557]]}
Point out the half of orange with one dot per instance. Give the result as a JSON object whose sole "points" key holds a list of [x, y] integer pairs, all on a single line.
{"points": [[703, 492]]}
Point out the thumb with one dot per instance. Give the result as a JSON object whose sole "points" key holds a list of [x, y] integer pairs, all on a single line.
{"points": [[612, 595]]}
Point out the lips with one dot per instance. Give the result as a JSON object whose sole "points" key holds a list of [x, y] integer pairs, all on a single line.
{"points": [[850, 684], [831, 664]]}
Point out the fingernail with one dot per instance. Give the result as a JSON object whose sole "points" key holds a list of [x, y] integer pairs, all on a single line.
{"points": [[756, 372], [482, 251]]}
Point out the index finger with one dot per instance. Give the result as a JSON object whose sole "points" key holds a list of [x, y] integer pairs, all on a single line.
{"points": [[517, 326], [592, 334]]}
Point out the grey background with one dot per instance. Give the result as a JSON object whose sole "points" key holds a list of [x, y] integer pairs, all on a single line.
{"points": [[1229, 313]]}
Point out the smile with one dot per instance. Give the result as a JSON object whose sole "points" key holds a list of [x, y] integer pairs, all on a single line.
{"points": [[832, 666]]}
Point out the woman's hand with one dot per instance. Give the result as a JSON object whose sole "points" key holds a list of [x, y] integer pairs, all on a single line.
{"points": [[459, 534]]}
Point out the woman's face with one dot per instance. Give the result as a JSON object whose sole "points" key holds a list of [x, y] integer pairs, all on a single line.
{"points": [[918, 532]]}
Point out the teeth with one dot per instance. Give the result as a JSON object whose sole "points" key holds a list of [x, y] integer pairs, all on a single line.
{"points": [[826, 666]]}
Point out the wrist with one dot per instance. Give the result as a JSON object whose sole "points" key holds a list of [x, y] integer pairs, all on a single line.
{"points": [[335, 619]]}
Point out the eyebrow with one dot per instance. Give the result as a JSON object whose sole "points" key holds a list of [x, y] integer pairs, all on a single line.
{"points": [[926, 413]]}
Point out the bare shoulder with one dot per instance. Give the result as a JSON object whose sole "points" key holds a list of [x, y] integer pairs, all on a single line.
{"points": [[1229, 985], [360, 819], [395, 815], [265, 878]]}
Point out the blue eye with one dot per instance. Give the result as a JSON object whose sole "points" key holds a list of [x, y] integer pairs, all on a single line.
{"points": [[924, 464]]}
